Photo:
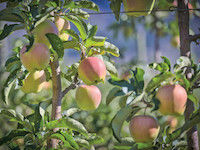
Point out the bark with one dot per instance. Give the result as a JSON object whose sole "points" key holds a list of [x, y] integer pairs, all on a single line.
{"points": [[183, 22], [57, 96]]}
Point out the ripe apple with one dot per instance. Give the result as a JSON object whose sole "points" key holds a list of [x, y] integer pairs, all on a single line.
{"points": [[143, 128], [172, 122], [37, 58], [34, 82], [42, 29], [92, 70], [88, 97], [172, 99], [62, 25], [138, 5]]}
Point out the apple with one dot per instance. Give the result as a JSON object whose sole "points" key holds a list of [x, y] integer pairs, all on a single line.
{"points": [[172, 99], [34, 82], [172, 122], [37, 58], [144, 128], [42, 29], [138, 5], [92, 70], [62, 25], [88, 97]]}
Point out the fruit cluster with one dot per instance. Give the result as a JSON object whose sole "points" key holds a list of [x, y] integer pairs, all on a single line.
{"points": [[172, 100], [37, 57], [92, 70]]}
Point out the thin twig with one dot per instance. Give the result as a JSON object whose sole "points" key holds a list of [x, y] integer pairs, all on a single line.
{"points": [[194, 38], [72, 86]]}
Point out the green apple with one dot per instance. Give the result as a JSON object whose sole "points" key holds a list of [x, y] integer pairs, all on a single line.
{"points": [[34, 82]]}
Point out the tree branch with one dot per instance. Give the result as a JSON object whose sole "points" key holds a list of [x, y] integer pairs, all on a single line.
{"points": [[72, 86], [194, 38]]}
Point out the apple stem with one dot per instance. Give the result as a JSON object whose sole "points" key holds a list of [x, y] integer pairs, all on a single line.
{"points": [[183, 22]]}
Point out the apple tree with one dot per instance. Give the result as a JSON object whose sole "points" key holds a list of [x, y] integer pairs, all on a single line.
{"points": [[47, 25]]}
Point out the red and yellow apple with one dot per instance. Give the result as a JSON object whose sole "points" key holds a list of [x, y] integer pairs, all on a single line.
{"points": [[34, 82], [172, 122], [92, 70], [37, 58], [62, 25], [172, 99], [145, 6], [88, 97], [144, 128], [42, 29]]}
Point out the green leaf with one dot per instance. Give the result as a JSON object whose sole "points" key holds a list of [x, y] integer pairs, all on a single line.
{"points": [[166, 60], [51, 4], [92, 31], [13, 64], [69, 138], [194, 99], [109, 48], [119, 119], [121, 83], [67, 123], [71, 111], [73, 44], [182, 62], [82, 142], [126, 144], [138, 79], [72, 33], [37, 119], [12, 115], [56, 43], [10, 14], [13, 134], [62, 138], [157, 80], [112, 95], [123, 100], [94, 139], [111, 68], [115, 5], [184, 80], [95, 41], [79, 23], [86, 4], [6, 88], [17, 117], [80, 13], [7, 29]]}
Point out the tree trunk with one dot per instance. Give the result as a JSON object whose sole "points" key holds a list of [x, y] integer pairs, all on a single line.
{"points": [[57, 96], [183, 22]]}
